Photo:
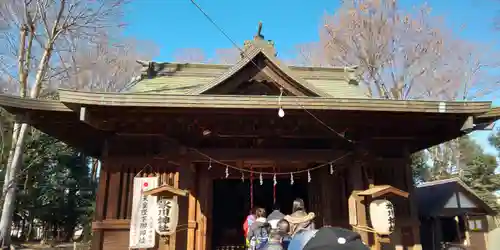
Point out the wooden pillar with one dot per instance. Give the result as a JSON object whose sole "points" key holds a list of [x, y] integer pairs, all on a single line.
{"points": [[413, 209], [100, 210], [191, 171], [356, 179], [173, 237], [202, 209], [326, 196]]}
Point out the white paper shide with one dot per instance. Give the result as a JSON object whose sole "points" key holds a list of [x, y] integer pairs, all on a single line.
{"points": [[167, 216], [382, 216], [142, 231]]}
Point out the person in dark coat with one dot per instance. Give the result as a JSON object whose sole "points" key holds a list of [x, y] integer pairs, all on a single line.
{"points": [[258, 233], [284, 227], [275, 240], [275, 216]]}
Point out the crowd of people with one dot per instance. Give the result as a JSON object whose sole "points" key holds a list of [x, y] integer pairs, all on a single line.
{"points": [[296, 231]]}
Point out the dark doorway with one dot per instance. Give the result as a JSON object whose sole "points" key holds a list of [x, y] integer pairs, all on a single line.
{"points": [[231, 205]]}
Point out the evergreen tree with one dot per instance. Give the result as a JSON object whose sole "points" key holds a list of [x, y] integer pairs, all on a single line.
{"points": [[420, 167], [479, 174], [55, 189], [495, 140]]}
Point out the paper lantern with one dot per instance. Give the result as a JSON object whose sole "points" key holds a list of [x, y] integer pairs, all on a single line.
{"points": [[382, 216], [167, 216]]}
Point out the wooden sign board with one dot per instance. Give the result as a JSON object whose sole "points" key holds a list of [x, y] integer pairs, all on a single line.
{"points": [[166, 191], [382, 190]]}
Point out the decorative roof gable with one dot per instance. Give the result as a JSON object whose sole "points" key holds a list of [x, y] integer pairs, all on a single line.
{"points": [[452, 193], [258, 64]]}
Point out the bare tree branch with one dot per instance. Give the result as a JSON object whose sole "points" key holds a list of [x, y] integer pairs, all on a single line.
{"points": [[401, 54]]}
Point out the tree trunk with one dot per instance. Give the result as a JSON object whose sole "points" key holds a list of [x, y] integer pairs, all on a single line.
{"points": [[30, 229], [95, 165], [10, 194], [13, 168], [15, 134]]}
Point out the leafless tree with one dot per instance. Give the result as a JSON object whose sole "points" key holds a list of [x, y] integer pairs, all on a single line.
{"points": [[104, 66], [401, 54], [195, 55], [404, 55], [227, 56], [190, 55], [37, 33]]}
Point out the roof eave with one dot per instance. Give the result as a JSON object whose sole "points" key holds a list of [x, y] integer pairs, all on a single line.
{"points": [[68, 97], [269, 102]]}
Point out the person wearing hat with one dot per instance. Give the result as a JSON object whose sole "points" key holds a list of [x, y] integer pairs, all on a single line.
{"points": [[299, 219], [331, 238]]}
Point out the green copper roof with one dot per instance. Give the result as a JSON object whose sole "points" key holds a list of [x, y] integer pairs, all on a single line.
{"points": [[195, 79], [188, 78]]}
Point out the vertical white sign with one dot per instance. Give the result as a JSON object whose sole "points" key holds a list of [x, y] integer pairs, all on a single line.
{"points": [[142, 229]]}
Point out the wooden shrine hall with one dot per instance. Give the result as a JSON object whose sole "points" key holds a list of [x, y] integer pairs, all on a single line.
{"points": [[186, 123]]}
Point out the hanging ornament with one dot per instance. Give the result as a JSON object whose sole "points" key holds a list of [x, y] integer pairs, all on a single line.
{"points": [[281, 112], [291, 178], [308, 176], [274, 180], [227, 172], [331, 168], [260, 179], [242, 177], [209, 164]]}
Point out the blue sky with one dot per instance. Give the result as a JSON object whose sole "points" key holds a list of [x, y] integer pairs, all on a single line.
{"points": [[175, 24]]}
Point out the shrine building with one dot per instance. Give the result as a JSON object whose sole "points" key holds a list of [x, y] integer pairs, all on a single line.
{"points": [[250, 134]]}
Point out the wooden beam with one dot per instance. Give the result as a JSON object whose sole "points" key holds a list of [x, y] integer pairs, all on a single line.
{"points": [[468, 124], [87, 117], [487, 126], [229, 154], [111, 224]]}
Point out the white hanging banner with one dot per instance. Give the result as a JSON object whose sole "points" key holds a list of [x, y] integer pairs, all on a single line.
{"points": [[142, 231], [167, 216]]}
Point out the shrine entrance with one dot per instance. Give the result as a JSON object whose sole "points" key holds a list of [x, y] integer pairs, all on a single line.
{"points": [[231, 205]]}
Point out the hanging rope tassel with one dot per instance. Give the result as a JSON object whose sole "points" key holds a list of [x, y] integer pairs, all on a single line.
{"points": [[251, 187], [274, 188]]}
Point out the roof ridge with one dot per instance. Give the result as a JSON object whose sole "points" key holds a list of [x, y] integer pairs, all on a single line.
{"points": [[249, 57]]}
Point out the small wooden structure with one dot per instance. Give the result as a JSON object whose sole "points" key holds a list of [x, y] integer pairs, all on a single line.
{"points": [[372, 193], [188, 120], [451, 212]]}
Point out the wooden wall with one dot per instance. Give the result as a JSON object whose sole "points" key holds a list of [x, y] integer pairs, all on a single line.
{"points": [[114, 201], [328, 198]]}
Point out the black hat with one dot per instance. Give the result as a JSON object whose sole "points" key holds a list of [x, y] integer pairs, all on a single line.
{"points": [[334, 238]]}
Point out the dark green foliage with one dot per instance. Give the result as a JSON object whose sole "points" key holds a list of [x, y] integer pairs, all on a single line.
{"points": [[419, 167], [495, 140], [55, 187], [479, 174]]}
